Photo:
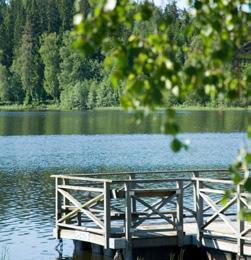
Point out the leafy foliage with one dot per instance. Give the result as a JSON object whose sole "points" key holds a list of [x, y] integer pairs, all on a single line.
{"points": [[36, 52], [152, 64], [49, 52], [130, 37], [147, 61], [75, 96]]}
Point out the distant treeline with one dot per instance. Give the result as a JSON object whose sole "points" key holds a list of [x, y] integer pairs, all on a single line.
{"points": [[39, 66]]}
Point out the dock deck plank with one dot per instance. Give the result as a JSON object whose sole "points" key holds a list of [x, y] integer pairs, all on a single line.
{"points": [[156, 236]]}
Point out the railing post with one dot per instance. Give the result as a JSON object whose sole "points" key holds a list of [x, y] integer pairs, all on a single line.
{"points": [[195, 175], [133, 186], [58, 209], [65, 201], [107, 214], [128, 221], [179, 208], [240, 222], [199, 211]]}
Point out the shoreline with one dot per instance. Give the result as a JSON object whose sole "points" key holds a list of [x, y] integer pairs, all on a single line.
{"points": [[54, 107]]}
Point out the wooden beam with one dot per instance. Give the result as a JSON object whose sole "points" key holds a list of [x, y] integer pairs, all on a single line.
{"points": [[78, 204], [153, 192], [155, 211], [179, 208], [157, 206], [75, 177], [209, 201], [86, 229], [80, 188], [220, 181], [83, 236], [215, 191], [58, 205], [128, 222], [199, 210], [221, 210], [107, 214], [240, 222], [89, 203], [148, 172]]}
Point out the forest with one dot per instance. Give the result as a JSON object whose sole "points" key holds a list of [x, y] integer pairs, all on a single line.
{"points": [[38, 64]]}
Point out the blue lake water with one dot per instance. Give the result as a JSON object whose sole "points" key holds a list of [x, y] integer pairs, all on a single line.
{"points": [[33, 145]]}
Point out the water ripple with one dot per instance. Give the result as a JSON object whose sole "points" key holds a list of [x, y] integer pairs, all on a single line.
{"points": [[26, 163]]}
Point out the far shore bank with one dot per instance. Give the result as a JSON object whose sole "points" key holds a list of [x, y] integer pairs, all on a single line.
{"points": [[56, 107]]}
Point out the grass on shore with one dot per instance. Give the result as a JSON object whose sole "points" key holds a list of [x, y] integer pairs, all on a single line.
{"points": [[218, 108], [18, 107]]}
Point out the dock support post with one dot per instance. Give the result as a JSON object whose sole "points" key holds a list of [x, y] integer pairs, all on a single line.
{"points": [[128, 221], [97, 249], [240, 222], [81, 245], [179, 209], [79, 218], [107, 214]]}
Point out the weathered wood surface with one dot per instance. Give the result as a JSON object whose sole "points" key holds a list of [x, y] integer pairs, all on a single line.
{"points": [[158, 235], [127, 213]]}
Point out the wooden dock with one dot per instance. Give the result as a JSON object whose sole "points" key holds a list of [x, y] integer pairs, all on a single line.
{"points": [[124, 211]]}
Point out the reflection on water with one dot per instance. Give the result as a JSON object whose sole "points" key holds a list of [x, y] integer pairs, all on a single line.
{"points": [[116, 122], [27, 161]]}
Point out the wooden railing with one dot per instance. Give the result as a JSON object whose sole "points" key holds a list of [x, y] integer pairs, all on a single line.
{"points": [[209, 208], [77, 197], [121, 205]]}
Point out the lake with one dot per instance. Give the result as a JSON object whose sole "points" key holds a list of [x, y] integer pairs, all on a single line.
{"points": [[33, 145]]}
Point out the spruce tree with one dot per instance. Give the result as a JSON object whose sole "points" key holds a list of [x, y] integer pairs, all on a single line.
{"points": [[16, 23], [4, 84], [66, 10], [3, 37], [53, 16], [26, 65]]}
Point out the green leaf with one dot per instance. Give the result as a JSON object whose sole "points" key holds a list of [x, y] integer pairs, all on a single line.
{"points": [[248, 157], [236, 177], [225, 197], [249, 131], [198, 4], [176, 145], [138, 16], [115, 76], [247, 184], [247, 216], [171, 128]]}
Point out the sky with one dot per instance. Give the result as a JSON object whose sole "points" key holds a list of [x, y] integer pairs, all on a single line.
{"points": [[181, 3]]}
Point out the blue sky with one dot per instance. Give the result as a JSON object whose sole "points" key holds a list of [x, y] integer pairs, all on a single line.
{"points": [[181, 3]]}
